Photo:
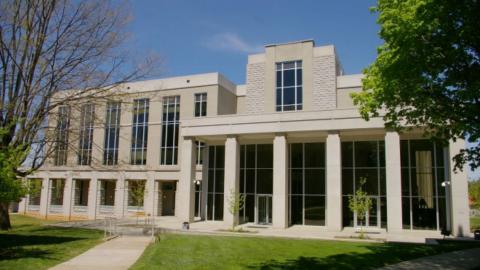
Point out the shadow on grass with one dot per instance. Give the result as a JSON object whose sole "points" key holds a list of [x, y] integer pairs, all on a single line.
{"points": [[17, 246], [377, 256]]}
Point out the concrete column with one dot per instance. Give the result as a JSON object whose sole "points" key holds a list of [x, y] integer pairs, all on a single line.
{"points": [[203, 199], [334, 182], [232, 178], [44, 197], [459, 193], [280, 182], [149, 195], [154, 132], [92, 197], [68, 197], [125, 139], [394, 181], [22, 205], [98, 134], [185, 190], [120, 196]]}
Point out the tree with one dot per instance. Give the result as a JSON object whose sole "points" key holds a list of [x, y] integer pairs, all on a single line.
{"points": [[360, 204], [236, 202], [47, 46], [136, 191], [474, 194], [427, 72]]}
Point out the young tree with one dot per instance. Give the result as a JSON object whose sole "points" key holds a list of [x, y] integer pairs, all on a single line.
{"points": [[47, 46], [236, 202], [474, 193], [427, 72], [360, 204], [136, 191]]}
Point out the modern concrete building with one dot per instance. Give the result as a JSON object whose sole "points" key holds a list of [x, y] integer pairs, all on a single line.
{"points": [[290, 140]]}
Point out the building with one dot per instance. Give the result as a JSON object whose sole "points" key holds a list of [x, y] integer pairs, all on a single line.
{"points": [[290, 139]]}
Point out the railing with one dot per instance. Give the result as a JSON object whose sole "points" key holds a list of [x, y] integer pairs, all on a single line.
{"points": [[105, 209], [55, 208], [110, 228]]}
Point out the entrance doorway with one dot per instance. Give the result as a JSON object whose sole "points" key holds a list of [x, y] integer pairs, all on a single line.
{"points": [[168, 198], [264, 209]]}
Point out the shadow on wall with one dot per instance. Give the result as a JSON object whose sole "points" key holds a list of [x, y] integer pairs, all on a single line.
{"points": [[379, 256]]}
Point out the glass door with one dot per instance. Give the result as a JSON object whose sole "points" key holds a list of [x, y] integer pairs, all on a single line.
{"points": [[264, 209]]}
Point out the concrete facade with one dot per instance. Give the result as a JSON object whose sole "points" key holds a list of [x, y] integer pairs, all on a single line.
{"points": [[241, 115]]}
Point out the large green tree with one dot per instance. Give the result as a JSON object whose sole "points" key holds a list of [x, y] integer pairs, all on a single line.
{"points": [[427, 72], [47, 46]]}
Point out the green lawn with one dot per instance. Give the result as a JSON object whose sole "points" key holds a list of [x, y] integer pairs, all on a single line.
{"points": [[176, 251], [31, 245]]}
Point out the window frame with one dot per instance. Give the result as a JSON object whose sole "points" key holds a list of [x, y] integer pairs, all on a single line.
{"points": [[199, 100], [297, 86]]}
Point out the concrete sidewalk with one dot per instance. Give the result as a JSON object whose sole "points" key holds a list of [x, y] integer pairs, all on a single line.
{"points": [[457, 260], [119, 253]]}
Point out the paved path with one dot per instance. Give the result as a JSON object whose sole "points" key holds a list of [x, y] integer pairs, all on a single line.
{"points": [[462, 259], [119, 253]]}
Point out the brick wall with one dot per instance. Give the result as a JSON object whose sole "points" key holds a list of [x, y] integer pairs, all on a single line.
{"points": [[324, 83], [255, 98]]}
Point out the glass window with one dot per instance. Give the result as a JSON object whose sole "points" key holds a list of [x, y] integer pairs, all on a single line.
{"points": [[170, 129], [215, 182], [112, 130], [200, 104], [200, 146], [307, 183], [61, 136], [140, 132], [423, 196], [364, 160], [107, 192], [57, 187], [136, 194], [87, 114], [81, 192], [34, 191], [289, 86]]}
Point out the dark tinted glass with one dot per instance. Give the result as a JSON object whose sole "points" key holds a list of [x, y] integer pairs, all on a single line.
{"points": [[296, 209], [288, 77], [314, 155], [347, 154], [366, 154], [315, 181], [264, 181], [296, 156], [265, 156], [297, 181], [315, 210]]}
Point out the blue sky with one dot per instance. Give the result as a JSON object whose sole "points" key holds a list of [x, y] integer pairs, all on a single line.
{"points": [[216, 36]]}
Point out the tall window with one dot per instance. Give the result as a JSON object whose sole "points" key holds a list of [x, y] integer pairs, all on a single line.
{"points": [[61, 141], [289, 86], [57, 187], [112, 129], [364, 160], [170, 126], [256, 182], [307, 183], [216, 167], [200, 104], [423, 196], [87, 114], [200, 147], [140, 131], [81, 192]]}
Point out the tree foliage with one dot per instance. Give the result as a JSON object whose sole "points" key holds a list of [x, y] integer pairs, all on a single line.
{"points": [[474, 193], [236, 202], [46, 47], [360, 203], [427, 72]]}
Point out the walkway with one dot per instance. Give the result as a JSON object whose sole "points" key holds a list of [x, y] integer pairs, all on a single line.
{"points": [[462, 259], [119, 253]]}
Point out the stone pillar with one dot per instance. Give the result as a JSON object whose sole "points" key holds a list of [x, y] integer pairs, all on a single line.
{"points": [[22, 205], [68, 197], [185, 190], [203, 197], [92, 197], [334, 182], [149, 195], [44, 196], [232, 178], [459, 193], [125, 133], [280, 182], [393, 181], [120, 196]]}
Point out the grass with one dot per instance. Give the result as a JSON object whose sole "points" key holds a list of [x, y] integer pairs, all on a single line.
{"points": [[474, 223], [32, 245], [177, 251]]}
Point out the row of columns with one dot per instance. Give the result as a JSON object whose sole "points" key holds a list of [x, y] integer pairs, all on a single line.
{"points": [[459, 202], [120, 205]]}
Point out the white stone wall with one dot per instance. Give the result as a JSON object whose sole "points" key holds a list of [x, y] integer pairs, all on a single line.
{"points": [[324, 83], [255, 99]]}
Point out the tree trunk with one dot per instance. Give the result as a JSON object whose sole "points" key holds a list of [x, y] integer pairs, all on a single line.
{"points": [[4, 217]]}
